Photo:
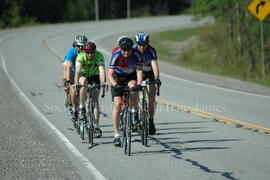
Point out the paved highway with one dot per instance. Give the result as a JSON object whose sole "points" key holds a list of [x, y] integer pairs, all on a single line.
{"points": [[204, 131]]}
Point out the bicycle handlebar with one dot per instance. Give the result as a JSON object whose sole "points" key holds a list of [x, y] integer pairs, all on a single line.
{"points": [[147, 82], [92, 86]]}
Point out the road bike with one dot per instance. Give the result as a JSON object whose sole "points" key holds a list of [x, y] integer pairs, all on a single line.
{"points": [[143, 111], [126, 121], [87, 124]]}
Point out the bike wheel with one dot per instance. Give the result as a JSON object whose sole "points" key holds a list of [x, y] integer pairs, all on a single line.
{"points": [[82, 129], [128, 132], [91, 130], [124, 131], [145, 129], [78, 126]]}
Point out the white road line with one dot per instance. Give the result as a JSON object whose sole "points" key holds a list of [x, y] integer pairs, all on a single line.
{"points": [[214, 87], [68, 144], [184, 80]]}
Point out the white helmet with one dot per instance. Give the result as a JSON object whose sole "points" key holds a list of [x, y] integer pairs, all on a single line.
{"points": [[80, 40]]}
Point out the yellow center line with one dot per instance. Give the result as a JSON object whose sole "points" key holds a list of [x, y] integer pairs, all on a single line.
{"points": [[184, 107], [204, 114]]}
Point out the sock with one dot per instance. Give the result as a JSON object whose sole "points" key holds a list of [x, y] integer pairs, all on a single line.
{"points": [[81, 106], [151, 121]]}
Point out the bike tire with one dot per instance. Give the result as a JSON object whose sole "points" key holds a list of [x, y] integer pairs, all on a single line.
{"points": [[82, 129], [124, 131], [78, 126], [145, 129], [91, 130], [129, 130]]}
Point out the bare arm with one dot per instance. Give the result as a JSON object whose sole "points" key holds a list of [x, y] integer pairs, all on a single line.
{"points": [[77, 73], [155, 68], [102, 74], [111, 77], [139, 75], [68, 70]]}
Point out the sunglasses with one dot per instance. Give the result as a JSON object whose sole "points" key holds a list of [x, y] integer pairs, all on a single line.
{"points": [[142, 44], [79, 46], [125, 49], [90, 52]]}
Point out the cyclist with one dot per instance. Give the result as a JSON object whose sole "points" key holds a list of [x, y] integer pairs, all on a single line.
{"points": [[150, 72], [118, 47], [124, 69], [90, 70], [69, 71], [65, 66]]}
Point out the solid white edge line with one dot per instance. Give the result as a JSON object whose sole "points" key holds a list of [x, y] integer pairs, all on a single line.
{"points": [[68, 144], [214, 87], [185, 80]]}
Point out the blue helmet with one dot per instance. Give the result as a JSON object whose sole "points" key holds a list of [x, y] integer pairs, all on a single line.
{"points": [[142, 37]]}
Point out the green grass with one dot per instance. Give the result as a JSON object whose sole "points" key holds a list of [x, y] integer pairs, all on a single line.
{"points": [[203, 53]]}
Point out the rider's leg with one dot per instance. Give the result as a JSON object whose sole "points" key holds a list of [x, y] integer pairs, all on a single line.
{"points": [[96, 105], [83, 91], [152, 101], [133, 95], [116, 114], [73, 98]]}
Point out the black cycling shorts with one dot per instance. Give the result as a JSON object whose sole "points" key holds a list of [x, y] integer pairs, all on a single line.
{"points": [[92, 79], [149, 75], [123, 80]]}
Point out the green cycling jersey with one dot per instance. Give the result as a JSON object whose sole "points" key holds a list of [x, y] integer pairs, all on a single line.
{"points": [[90, 67]]}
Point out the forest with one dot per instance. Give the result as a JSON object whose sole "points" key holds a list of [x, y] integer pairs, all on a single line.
{"points": [[233, 41]]}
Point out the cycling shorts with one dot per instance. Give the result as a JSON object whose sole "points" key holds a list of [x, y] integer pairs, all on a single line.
{"points": [[92, 79], [149, 75], [123, 80]]}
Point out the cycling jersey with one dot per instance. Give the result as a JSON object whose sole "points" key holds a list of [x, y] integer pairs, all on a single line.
{"points": [[115, 49], [125, 66], [148, 56], [90, 67], [71, 56]]}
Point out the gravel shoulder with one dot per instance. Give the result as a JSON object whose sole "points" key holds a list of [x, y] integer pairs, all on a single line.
{"points": [[27, 151]]}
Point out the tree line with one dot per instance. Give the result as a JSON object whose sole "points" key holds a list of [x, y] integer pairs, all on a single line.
{"points": [[15, 13]]}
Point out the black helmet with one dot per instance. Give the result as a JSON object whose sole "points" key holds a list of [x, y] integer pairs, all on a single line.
{"points": [[125, 43]]}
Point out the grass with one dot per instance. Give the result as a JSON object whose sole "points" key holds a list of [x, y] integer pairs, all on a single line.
{"points": [[200, 49]]}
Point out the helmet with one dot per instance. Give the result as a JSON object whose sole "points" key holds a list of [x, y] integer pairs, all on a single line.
{"points": [[80, 40], [89, 47], [120, 38], [142, 37], [125, 43]]}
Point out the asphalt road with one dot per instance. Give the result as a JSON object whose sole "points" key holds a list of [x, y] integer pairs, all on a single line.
{"points": [[189, 144]]}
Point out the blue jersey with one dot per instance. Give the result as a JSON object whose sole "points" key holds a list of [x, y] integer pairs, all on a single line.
{"points": [[125, 66], [71, 56], [147, 57]]}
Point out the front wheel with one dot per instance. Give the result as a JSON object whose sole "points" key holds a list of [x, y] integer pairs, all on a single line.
{"points": [[129, 130], [91, 130], [82, 129]]}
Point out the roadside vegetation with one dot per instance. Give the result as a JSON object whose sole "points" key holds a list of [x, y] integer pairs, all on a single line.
{"points": [[229, 47]]}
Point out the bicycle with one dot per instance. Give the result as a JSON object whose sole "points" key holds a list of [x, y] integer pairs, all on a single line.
{"points": [[87, 123], [125, 121], [143, 111]]}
